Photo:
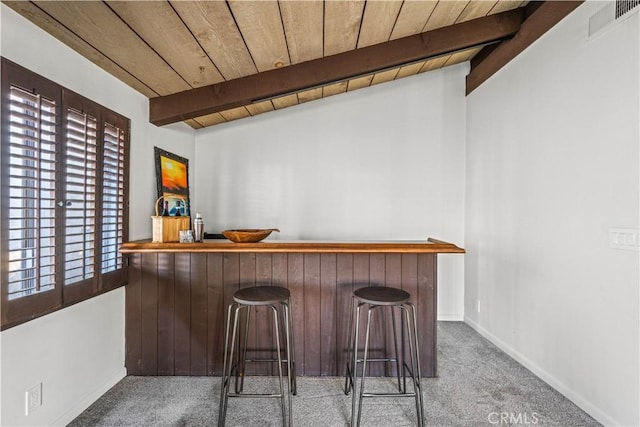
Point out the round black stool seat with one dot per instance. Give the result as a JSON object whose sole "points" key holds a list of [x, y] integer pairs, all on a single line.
{"points": [[379, 295], [262, 295]]}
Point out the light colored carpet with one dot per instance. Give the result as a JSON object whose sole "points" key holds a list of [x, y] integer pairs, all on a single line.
{"points": [[478, 385]]}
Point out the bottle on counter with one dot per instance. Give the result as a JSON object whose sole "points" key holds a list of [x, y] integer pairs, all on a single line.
{"points": [[198, 228]]}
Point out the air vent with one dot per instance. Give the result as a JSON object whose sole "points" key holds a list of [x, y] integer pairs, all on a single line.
{"points": [[609, 14], [625, 6]]}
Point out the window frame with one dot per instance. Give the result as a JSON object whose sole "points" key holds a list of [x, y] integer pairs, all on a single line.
{"points": [[19, 310]]}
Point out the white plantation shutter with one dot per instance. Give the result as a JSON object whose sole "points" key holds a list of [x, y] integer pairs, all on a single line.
{"points": [[32, 194]]}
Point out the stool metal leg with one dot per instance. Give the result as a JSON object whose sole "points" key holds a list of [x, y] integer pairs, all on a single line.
{"points": [[224, 368], [240, 372], [348, 375], [417, 376], [277, 334], [354, 373], [287, 335], [228, 363], [291, 362], [364, 366], [395, 344]]}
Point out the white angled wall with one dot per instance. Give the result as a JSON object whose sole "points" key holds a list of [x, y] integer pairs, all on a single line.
{"points": [[78, 353], [552, 164], [382, 163]]}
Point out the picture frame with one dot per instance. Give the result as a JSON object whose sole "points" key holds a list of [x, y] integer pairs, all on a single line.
{"points": [[172, 177]]}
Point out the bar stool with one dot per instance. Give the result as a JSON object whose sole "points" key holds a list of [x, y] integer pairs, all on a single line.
{"points": [[235, 354], [394, 299]]}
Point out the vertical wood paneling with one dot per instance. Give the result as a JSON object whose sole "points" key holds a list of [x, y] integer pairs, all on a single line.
{"points": [[177, 304], [328, 278], [393, 279], [361, 278], [409, 284], [312, 314], [295, 282], [279, 278], [133, 316], [279, 272], [182, 315], [248, 279], [149, 314], [215, 314], [377, 345], [230, 277], [166, 289], [231, 282], [198, 327], [264, 316], [344, 292], [426, 306]]}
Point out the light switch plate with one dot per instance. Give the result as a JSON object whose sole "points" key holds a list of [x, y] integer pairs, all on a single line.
{"points": [[624, 238]]}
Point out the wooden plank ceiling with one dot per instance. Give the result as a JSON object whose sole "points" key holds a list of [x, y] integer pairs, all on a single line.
{"points": [[166, 47]]}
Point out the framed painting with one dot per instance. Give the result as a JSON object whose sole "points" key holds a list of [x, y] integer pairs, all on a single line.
{"points": [[172, 174]]}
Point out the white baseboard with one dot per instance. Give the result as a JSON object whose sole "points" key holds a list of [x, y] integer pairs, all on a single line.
{"points": [[450, 317], [587, 406], [88, 400]]}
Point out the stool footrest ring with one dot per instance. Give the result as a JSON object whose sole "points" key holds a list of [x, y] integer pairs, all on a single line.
{"points": [[253, 395]]}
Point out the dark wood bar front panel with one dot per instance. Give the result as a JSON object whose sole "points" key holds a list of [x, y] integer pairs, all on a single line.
{"points": [[176, 305]]}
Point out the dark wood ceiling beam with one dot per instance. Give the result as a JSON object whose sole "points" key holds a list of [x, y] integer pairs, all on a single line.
{"points": [[540, 17], [319, 72]]}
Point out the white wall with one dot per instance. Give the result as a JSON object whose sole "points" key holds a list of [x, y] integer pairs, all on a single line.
{"points": [[78, 353], [382, 163], [552, 163]]}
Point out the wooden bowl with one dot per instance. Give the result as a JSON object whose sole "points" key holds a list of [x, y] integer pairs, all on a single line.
{"points": [[248, 235]]}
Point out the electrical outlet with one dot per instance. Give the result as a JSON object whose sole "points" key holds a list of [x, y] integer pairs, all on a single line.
{"points": [[33, 399]]}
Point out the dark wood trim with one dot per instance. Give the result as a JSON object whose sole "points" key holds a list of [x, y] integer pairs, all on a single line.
{"points": [[331, 69], [541, 17]]}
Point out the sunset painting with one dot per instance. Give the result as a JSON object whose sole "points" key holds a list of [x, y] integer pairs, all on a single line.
{"points": [[172, 173], [174, 176]]}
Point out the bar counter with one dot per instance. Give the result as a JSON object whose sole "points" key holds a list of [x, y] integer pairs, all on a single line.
{"points": [[277, 246], [178, 293]]}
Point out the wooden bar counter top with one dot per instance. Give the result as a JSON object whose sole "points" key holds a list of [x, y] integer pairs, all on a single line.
{"points": [[178, 293], [277, 246]]}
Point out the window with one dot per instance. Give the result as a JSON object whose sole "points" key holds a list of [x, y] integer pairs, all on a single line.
{"points": [[64, 196]]}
